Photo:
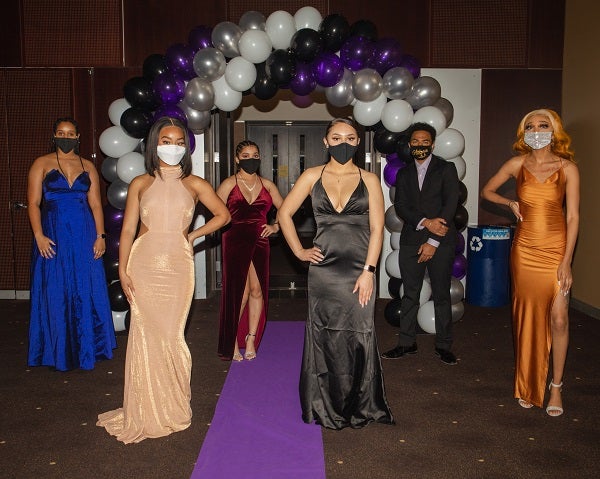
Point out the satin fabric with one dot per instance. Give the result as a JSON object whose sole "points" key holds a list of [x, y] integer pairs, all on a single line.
{"points": [[537, 250], [242, 245], [341, 382], [156, 400], [70, 321]]}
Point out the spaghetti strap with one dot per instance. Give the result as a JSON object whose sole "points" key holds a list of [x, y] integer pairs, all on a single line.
{"points": [[322, 171]]}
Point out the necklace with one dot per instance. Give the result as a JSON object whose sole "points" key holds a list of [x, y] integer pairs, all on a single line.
{"points": [[246, 184]]}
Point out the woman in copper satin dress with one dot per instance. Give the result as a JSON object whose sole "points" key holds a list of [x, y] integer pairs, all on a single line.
{"points": [[157, 276], [547, 212], [245, 292]]}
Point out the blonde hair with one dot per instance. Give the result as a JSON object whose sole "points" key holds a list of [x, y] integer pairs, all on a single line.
{"points": [[561, 141]]}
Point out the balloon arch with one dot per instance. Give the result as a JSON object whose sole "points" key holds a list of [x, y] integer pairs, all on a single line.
{"points": [[260, 55]]}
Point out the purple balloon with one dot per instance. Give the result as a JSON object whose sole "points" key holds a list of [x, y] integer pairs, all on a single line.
{"points": [[459, 266], [303, 81], [412, 65], [387, 53], [327, 69], [170, 110], [302, 101], [169, 88], [389, 174], [460, 243], [113, 218], [179, 59], [355, 52], [394, 160], [112, 247], [200, 37]]}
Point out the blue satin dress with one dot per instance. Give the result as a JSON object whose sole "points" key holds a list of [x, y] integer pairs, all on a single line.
{"points": [[71, 321]]}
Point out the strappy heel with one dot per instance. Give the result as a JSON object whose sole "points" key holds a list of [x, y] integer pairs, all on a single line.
{"points": [[249, 355], [525, 404], [554, 411]]}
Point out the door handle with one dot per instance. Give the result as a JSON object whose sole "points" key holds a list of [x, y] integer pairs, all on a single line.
{"points": [[19, 205]]}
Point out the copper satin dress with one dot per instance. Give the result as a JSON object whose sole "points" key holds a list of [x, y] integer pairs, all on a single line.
{"points": [[242, 245], [158, 363], [537, 250], [341, 382]]}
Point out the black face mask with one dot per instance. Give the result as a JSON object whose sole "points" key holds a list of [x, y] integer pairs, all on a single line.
{"points": [[343, 152], [66, 144], [420, 152], [250, 165]]}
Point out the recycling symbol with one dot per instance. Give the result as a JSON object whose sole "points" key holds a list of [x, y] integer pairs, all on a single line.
{"points": [[475, 244]]}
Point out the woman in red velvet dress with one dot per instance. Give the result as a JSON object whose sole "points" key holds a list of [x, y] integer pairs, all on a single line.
{"points": [[245, 247]]}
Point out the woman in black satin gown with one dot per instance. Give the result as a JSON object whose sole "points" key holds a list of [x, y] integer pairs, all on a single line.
{"points": [[341, 382]]}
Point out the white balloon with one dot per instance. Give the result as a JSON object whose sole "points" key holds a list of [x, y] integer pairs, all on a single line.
{"points": [[425, 294], [449, 144], [395, 240], [118, 318], [392, 266], [255, 46], [397, 115], [116, 109], [368, 113], [130, 165], [240, 74], [426, 317], [226, 98], [307, 17], [115, 142], [461, 166], [280, 27], [431, 115]]}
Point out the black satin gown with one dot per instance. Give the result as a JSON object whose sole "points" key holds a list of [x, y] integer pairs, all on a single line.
{"points": [[341, 382]]}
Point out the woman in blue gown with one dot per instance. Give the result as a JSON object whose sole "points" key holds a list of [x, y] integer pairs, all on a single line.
{"points": [[71, 321]]}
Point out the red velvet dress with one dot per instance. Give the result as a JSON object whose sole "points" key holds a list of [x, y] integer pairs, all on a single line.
{"points": [[241, 245]]}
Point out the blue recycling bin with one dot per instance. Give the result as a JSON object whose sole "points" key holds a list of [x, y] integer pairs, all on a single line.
{"points": [[488, 265]]}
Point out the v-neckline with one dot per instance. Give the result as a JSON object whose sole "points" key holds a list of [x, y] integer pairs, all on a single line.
{"points": [[347, 202], [246, 199], [70, 185], [547, 177]]}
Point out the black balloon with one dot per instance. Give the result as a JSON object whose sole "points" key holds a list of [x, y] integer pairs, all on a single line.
{"points": [[386, 141], [280, 67], [334, 30], [263, 88], [364, 28], [462, 195], [154, 65], [136, 122], [403, 150], [306, 44], [393, 311], [461, 217], [394, 287], [138, 92], [127, 319], [111, 269], [117, 298]]}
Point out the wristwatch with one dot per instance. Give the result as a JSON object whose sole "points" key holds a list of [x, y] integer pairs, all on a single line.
{"points": [[370, 268], [101, 235]]}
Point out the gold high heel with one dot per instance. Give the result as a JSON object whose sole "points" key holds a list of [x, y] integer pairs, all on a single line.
{"points": [[554, 411], [249, 355]]}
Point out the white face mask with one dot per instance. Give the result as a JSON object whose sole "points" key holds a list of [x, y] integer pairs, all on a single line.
{"points": [[170, 154], [537, 139]]}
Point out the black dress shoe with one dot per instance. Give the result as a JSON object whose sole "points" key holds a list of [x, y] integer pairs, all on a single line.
{"points": [[400, 351], [446, 356]]}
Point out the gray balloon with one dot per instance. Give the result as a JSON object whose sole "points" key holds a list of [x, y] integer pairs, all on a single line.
{"points": [[367, 84], [457, 290], [209, 64], [397, 83], [458, 310], [252, 20], [392, 221], [225, 37], [392, 193], [197, 121], [109, 169], [116, 193], [341, 94], [446, 108], [199, 94], [424, 92]]}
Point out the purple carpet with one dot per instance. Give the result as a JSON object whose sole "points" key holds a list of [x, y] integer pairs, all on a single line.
{"points": [[257, 430]]}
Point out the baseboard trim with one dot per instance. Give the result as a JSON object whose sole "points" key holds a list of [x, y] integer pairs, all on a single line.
{"points": [[585, 308]]}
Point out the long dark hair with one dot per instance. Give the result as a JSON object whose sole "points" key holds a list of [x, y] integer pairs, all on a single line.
{"points": [[151, 159]]}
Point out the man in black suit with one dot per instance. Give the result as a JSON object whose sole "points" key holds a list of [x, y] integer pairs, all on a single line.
{"points": [[426, 198]]}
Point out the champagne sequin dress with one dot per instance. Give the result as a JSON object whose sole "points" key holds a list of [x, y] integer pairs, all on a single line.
{"points": [[158, 364]]}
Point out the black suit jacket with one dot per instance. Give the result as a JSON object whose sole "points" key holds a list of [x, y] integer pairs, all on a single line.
{"points": [[438, 198]]}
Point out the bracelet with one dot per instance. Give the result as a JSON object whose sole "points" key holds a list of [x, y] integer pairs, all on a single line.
{"points": [[101, 235], [369, 268]]}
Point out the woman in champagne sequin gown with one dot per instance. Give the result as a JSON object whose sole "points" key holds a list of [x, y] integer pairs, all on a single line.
{"points": [[157, 276], [547, 210], [246, 250], [341, 381]]}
